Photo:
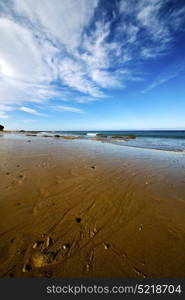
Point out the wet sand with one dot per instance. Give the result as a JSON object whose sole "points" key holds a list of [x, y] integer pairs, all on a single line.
{"points": [[75, 208]]}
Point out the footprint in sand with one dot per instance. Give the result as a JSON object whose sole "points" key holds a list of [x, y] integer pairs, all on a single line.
{"points": [[38, 256], [37, 260], [40, 260], [42, 194], [21, 178]]}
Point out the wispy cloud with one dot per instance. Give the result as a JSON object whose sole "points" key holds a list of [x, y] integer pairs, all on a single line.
{"points": [[31, 111], [86, 99], [63, 50], [63, 108], [4, 109], [169, 73], [156, 22]]}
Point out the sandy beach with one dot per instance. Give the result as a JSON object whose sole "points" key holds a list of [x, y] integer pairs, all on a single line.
{"points": [[78, 208]]}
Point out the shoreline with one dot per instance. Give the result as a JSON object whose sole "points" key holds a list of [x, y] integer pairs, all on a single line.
{"points": [[97, 139], [75, 208]]}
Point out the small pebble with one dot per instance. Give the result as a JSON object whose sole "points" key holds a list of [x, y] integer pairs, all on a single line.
{"points": [[92, 233], [48, 241], [26, 268], [141, 227], [66, 246], [78, 220], [39, 260], [106, 246], [37, 244]]}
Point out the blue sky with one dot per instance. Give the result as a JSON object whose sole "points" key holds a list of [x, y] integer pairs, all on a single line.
{"points": [[92, 65]]}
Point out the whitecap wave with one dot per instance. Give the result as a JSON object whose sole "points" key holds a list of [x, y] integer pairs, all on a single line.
{"points": [[44, 134], [91, 134]]}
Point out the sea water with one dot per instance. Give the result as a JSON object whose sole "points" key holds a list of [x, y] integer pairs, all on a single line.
{"points": [[170, 140]]}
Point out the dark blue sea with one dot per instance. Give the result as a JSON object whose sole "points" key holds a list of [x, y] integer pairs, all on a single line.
{"points": [[170, 140]]}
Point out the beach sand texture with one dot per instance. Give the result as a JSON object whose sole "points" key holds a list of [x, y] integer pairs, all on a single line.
{"points": [[71, 208]]}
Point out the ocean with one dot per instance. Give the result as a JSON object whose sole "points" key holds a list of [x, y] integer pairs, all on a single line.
{"points": [[169, 140]]}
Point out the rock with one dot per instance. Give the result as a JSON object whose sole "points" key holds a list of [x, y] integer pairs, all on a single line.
{"points": [[140, 227], [78, 220], [92, 233], [66, 246], [132, 137], [26, 268], [48, 241], [39, 260], [67, 137], [106, 246], [37, 244], [1, 127], [57, 136], [102, 135]]}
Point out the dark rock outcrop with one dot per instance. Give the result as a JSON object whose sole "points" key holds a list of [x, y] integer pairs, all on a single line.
{"points": [[1, 127]]}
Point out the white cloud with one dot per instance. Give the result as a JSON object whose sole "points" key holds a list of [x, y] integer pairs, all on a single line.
{"points": [[34, 45], [73, 75], [105, 79], [158, 22], [68, 109], [65, 20], [46, 44], [31, 111], [4, 109], [86, 99]]}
